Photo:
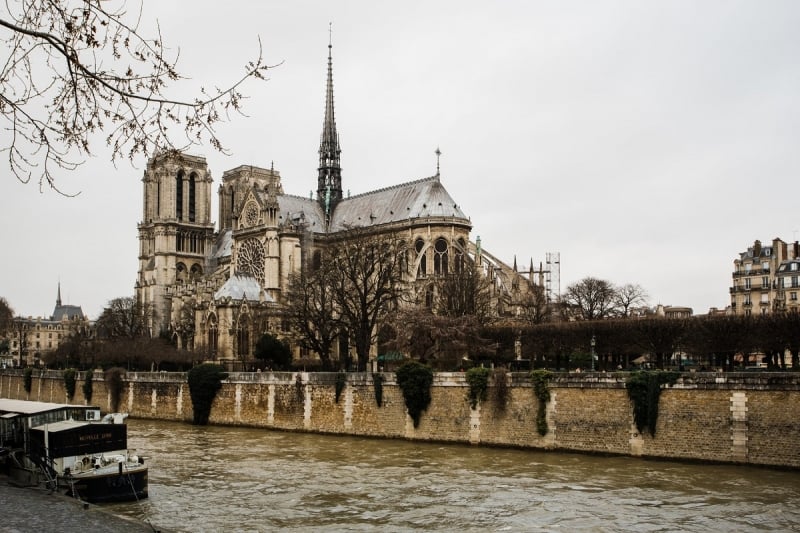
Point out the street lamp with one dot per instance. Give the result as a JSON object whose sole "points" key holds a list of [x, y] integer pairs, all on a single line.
{"points": [[592, 343]]}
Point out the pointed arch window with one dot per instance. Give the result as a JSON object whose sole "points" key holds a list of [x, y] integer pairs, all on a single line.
{"points": [[403, 257], [213, 336], [459, 252], [179, 195], [192, 196], [316, 260], [180, 272], [243, 338], [422, 270], [440, 257]]}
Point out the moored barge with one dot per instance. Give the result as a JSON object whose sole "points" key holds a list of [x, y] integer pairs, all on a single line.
{"points": [[72, 448]]}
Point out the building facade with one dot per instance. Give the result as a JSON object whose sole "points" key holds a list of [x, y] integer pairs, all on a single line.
{"points": [[217, 291], [766, 279], [31, 338]]}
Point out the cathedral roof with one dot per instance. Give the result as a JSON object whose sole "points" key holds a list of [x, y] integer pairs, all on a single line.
{"points": [[239, 287], [299, 210], [415, 199]]}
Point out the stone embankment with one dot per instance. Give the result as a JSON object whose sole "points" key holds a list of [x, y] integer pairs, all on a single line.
{"points": [[723, 417]]}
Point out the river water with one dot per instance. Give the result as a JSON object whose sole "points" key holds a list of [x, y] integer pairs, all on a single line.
{"points": [[241, 479]]}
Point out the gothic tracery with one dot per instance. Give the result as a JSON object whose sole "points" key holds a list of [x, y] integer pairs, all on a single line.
{"points": [[251, 258]]}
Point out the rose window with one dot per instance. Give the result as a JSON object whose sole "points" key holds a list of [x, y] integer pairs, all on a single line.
{"points": [[251, 259], [251, 214]]}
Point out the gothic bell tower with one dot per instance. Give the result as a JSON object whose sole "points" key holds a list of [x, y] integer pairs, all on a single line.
{"points": [[176, 233]]}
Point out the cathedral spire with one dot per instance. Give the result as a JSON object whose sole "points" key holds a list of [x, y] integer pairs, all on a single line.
{"points": [[329, 182], [58, 297]]}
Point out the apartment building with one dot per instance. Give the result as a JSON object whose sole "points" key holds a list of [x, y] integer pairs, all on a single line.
{"points": [[32, 337], [766, 279]]}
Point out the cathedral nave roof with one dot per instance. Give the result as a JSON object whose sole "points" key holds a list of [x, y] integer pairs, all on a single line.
{"points": [[422, 198], [426, 197]]}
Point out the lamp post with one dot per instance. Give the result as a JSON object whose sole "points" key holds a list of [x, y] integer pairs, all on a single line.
{"points": [[592, 343]]}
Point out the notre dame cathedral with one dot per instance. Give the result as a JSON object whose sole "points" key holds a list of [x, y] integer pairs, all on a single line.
{"points": [[217, 291]]}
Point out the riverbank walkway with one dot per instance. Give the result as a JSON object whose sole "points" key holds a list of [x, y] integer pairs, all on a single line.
{"points": [[24, 509]]}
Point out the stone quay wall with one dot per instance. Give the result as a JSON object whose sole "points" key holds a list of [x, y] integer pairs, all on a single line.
{"points": [[747, 418]]}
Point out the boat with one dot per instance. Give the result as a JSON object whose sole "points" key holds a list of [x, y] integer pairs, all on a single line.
{"points": [[74, 449], [92, 460]]}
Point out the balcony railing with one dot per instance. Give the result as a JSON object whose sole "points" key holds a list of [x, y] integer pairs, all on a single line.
{"points": [[753, 272], [756, 288]]}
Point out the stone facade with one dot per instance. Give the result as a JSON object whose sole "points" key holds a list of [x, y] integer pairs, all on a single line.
{"points": [[30, 338], [766, 279], [217, 291], [732, 418]]}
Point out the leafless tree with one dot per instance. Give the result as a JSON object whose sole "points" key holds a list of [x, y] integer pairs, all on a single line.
{"points": [[72, 69], [661, 337], [366, 271], [124, 317], [437, 339], [6, 316], [629, 296], [75, 349], [311, 310], [591, 298], [534, 308], [464, 292]]}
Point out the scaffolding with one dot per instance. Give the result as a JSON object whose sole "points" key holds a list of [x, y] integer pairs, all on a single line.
{"points": [[552, 279]]}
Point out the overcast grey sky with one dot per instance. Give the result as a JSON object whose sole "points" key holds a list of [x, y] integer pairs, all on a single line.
{"points": [[647, 142]]}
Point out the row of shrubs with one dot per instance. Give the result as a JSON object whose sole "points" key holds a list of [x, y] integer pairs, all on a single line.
{"points": [[113, 378], [414, 379]]}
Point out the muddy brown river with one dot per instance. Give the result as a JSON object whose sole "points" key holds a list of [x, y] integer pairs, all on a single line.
{"points": [[241, 479]]}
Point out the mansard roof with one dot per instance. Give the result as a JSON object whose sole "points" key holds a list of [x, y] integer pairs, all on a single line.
{"points": [[67, 312], [789, 266]]}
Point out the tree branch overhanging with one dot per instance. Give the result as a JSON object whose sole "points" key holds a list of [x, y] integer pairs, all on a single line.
{"points": [[76, 68]]}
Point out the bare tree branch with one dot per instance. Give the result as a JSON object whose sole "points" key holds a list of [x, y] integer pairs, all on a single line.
{"points": [[76, 68], [629, 296], [591, 298], [366, 271]]}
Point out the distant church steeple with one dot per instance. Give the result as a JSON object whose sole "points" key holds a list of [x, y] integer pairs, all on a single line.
{"points": [[58, 297], [329, 182]]}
